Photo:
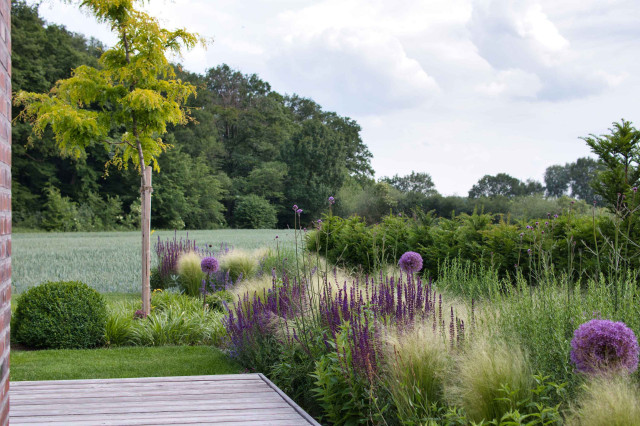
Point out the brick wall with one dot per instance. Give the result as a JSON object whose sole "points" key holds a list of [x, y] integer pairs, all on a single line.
{"points": [[5, 204]]}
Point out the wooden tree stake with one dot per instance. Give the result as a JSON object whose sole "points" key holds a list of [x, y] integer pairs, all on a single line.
{"points": [[145, 204]]}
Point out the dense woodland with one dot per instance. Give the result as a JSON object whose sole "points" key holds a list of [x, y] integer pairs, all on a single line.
{"points": [[248, 154]]}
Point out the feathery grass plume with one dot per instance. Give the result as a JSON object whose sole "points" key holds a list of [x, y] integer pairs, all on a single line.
{"points": [[239, 264], [610, 401], [191, 274], [490, 378], [416, 366]]}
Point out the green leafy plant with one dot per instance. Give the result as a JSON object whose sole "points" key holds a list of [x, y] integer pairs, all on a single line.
{"points": [[60, 314]]}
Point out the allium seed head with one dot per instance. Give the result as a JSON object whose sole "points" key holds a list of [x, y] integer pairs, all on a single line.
{"points": [[602, 346], [410, 262], [209, 265]]}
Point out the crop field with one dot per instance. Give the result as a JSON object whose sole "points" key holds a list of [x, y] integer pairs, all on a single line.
{"points": [[110, 261]]}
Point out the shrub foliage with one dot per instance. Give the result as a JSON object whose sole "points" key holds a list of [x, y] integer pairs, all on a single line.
{"points": [[62, 314]]}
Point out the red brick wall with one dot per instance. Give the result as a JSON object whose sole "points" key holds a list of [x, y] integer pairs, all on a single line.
{"points": [[5, 204]]}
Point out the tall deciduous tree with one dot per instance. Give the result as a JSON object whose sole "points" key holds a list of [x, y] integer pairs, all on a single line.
{"points": [[125, 104], [415, 182], [556, 180], [504, 185], [620, 154]]}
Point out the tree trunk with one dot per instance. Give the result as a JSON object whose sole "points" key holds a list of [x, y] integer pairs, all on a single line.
{"points": [[145, 222]]}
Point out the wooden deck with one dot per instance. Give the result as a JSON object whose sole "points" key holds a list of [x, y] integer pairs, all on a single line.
{"points": [[238, 399]]}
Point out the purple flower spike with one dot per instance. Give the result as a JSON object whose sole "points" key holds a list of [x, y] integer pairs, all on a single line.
{"points": [[410, 262], [602, 346], [209, 265]]}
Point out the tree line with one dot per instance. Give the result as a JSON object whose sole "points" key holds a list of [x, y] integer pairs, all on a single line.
{"points": [[249, 153]]}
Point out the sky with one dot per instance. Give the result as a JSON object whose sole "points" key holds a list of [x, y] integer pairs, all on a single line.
{"points": [[454, 88]]}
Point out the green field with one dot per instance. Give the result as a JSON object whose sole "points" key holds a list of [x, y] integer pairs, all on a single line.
{"points": [[110, 261]]}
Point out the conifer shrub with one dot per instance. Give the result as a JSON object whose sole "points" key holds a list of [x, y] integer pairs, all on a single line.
{"points": [[60, 315]]}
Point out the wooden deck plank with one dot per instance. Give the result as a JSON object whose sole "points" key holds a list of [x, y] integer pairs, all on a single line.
{"points": [[159, 419], [189, 379], [243, 399], [147, 396], [191, 422], [154, 385], [107, 408], [166, 415], [229, 388]]}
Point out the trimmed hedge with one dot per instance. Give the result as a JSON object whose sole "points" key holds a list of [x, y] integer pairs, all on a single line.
{"points": [[60, 315]]}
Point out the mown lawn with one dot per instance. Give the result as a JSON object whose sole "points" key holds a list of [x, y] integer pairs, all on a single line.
{"points": [[119, 363]]}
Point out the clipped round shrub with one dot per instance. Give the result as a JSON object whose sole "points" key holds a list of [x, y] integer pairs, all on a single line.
{"points": [[601, 346], [60, 315]]}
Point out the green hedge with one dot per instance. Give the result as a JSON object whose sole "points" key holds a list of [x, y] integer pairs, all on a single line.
{"points": [[566, 243]]}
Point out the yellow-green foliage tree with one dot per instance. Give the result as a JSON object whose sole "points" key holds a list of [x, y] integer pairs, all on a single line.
{"points": [[125, 104]]}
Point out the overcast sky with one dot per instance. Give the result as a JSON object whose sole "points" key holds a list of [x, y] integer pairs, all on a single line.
{"points": [[454, 88]]}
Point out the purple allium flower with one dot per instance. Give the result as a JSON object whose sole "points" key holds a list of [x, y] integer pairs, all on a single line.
{"points": [[139, 314], [521, 234], [295, 207], [555, 216], [601, 346], [299, 211], [546, 223], [209, 265], [537, 223], [319, 220], [634, 189], [529, 251], [332, 200], [410, 262], [529, 227]]}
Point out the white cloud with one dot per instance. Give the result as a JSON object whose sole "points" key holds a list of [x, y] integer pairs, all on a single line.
{"points": [[520, 35], [513, 83], [361, 71]]}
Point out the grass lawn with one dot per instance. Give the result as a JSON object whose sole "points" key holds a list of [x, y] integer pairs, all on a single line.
{"points": [[110, 261], [119, 363]]}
